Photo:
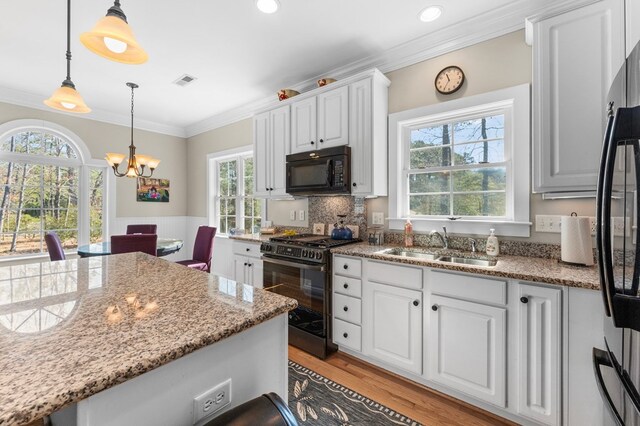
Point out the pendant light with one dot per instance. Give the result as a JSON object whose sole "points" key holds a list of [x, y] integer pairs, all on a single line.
{"points": [[113, 39], [67, 98], [136, 163]]}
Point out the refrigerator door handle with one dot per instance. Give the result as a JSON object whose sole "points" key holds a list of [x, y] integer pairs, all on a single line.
{"points": [[599, 203], [601, 358]]}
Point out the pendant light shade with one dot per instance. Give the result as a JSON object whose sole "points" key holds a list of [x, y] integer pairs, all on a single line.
{"points": [[112, 38], [66, 98]]}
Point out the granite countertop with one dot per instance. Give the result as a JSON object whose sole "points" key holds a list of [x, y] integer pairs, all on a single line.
{"points": [[73, 328], [253, 238], [549, 271]]}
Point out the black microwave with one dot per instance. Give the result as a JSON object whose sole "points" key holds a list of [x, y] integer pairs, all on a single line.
{"points": [[322, 172]]}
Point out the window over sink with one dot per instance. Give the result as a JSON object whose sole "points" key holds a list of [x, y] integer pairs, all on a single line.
{"points": [[463, 164]]}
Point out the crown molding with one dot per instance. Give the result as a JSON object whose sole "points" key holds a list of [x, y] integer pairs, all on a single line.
{"points": [[483, 27], [30, 100]]}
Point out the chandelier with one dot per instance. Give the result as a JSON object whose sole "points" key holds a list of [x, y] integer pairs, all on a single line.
{"points": [[136, 164]]}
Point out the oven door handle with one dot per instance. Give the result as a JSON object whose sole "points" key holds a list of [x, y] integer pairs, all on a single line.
{"points": [[293, 264]]}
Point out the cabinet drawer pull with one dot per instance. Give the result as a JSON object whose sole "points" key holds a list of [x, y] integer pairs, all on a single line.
{"points": [[345, 335], [345, 285], [434, 307], [346, 266], [321, 140], [312, 142], [524, 299], [355, 184], [416, 302], [248, 249], [346, 308]]}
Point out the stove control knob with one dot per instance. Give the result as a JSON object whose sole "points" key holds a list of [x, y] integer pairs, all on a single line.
{"points": [[319, 255], [304, 253]]}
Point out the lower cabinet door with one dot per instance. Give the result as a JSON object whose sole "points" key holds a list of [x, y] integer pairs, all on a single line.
{"points": [[539, 353], [240, 269], [467, 348], [392, 325], [255, 273]]}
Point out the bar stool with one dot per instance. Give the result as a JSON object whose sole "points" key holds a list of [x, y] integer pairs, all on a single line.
{"points": [[266, 410]]}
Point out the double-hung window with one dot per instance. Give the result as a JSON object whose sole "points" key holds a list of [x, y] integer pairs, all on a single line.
{"points": [[463, 164], [236, 207]]}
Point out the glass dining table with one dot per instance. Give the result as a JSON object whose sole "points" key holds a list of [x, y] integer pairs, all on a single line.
{"points": [[164, 247]]}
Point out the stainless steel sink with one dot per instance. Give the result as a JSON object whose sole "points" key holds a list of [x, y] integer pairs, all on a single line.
{"points": [[468, 261], [409, 253]]}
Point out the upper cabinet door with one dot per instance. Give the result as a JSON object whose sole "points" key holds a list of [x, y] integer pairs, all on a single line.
{"points": [[361, 137], [280, 127], [333, 118], [303, 128], [261, 165], [576, 55]]}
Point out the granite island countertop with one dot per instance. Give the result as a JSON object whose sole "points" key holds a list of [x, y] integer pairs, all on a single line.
{"points": [[73, 328], [549, 271]]}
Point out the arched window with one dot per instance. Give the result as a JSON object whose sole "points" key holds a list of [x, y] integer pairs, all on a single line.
{"points": [[48, 183]]}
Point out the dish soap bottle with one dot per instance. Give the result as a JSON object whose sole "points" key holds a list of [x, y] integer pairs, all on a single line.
{"points": [[408, 234], [493, 248]]}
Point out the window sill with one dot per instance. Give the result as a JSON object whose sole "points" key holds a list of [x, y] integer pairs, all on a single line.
{"points": [[461, 226]]}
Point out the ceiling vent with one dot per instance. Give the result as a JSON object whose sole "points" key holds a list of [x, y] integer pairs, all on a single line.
{"points": [[184, 80]]}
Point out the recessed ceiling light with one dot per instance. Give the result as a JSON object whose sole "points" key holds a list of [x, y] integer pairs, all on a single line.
{"points": [[268, 6], [430, 14]]}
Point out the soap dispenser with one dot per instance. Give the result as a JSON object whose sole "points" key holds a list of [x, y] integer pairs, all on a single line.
{"points": [[493, 248]]}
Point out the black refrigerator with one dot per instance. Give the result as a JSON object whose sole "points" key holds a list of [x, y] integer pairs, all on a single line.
{"points": [[617, 361]]}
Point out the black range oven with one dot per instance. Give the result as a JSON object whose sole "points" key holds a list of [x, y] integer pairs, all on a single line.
{"points": [[299, 267]]}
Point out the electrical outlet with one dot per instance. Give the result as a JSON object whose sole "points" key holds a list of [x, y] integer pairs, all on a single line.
{"points": [[378, 218], [593, 225], [211, 401], [292, 215], [301, 215]]}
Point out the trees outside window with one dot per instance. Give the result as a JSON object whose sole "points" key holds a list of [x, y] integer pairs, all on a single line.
{"points": [[47, 187]]}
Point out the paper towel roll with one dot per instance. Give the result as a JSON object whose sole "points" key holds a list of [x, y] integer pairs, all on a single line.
{"points": [[576, 245]]}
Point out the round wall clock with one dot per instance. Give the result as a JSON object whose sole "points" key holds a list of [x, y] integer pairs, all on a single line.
{"points": [[449, 80]]}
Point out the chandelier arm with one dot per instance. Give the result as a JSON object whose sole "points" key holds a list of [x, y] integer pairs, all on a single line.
{"points": [[117, 172]]}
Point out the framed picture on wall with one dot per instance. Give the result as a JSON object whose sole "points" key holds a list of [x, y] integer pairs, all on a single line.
{"points": [[154, 190]]}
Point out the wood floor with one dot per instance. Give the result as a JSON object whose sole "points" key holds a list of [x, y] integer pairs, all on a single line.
{"points": [[411, 399]]}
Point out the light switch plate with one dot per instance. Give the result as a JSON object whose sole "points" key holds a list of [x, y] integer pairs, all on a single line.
{"points": [[301, 215], [292, 215]]}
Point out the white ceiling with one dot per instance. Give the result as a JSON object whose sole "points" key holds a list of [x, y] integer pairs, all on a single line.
{"points": [[238, 54]]}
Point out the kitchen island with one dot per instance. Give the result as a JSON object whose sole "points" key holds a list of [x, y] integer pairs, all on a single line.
{"points": [[132, 339]]}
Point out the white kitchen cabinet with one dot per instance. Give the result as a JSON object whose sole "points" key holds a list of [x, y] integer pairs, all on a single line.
{"points": [[539, 353], [632, 21], [575, 57], [368, 108], [247, 265], [271, 136], [392, 325], [321, 121], [467, 348]]}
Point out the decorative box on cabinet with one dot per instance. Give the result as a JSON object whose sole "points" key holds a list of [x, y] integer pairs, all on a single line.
{"points": [[576, 54], [271, 135]]}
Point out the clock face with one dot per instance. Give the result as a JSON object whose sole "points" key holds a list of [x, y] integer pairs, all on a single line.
{"points": [[449, 80]]}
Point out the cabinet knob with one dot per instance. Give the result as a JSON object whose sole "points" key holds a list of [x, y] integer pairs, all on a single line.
{"points": [[524, 299], [249, 264], [434, 307], [245, 263], [355, 184], [270, 189], [248, 249], [346, 266], [416, 302], [266, 189], [346, 308], [345, 285], [321, 140], [345, 335], [312, 142]]}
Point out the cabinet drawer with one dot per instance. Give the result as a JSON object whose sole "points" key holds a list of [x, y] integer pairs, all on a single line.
{"points": [[398, 275], [347, 308], [347, 286], [347, 266], [347, 335], [469, 287], [246, 249]]}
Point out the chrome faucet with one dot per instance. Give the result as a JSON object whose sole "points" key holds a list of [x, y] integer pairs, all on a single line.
{"points": [[444, 238], [473, 245]]}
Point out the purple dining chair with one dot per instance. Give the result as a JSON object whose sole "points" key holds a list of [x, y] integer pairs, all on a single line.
{"points": [[142, 229], [202, 250], [145, 243], [54, 246]]}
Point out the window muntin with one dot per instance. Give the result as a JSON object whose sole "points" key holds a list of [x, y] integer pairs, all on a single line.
{"points": [[236, 206], [43, 176], [458, 168]]}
